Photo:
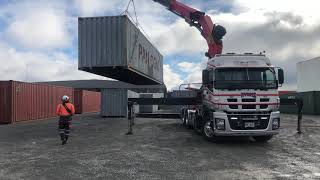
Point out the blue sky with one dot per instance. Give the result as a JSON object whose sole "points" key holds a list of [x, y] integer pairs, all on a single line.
{"points": [[42, 35]]}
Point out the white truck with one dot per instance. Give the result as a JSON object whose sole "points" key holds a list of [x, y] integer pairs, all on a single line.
{"points": [[239, 98]]}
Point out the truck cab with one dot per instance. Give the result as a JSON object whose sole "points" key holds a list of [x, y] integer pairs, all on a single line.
{"points": [[240, 96]]}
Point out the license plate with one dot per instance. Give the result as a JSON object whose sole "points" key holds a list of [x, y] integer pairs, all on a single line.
{"points": [[249, 125]]}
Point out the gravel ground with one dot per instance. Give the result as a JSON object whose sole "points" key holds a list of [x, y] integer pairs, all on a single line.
{"points": [[159, 149]]}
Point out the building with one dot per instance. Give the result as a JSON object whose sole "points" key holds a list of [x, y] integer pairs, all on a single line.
{"points": [[308, 74]]}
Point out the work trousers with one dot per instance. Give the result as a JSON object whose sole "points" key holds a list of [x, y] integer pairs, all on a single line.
{"points": [[64, 127]]}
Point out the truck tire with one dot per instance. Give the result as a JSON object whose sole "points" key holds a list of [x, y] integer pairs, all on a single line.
{"points": [[188, 119], [207, 130], [183, 117], [198, 124], [262, 139]]}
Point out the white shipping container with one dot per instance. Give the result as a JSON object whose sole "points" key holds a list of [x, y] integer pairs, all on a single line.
{"points": [[114, 47], [308, 75]]}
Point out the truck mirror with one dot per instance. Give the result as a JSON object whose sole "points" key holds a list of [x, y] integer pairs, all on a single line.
{"points": [[205, 77], [280, 76]]}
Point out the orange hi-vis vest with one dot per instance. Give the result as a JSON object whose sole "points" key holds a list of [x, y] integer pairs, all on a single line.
{"points": [[61, 110]]}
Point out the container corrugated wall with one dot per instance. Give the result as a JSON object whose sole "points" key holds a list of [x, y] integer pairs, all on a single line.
{"points": [[311, 103], [114, 47], [87, 101], [5, 102], [290, 109], [114, 102], [30, 101]]}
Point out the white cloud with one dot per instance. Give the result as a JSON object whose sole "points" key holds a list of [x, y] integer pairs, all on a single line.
{"points": [[40, 30], [176, 38], [171, 79], [308, 9], [97, 7], [187, 66], [37, 26], [37, 66], [194, 71]]}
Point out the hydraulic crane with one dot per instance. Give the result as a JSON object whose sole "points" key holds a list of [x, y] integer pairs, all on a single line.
{"points": [[212, 33], [239, 92]]}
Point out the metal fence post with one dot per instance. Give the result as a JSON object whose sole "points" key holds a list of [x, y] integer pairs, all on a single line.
{"points": [[300, 105]]}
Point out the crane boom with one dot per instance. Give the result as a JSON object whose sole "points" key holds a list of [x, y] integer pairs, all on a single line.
{"points": [[212, 33]]}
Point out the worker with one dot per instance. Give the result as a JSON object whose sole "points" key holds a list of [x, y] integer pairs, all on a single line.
{"points": [[65, 110]]}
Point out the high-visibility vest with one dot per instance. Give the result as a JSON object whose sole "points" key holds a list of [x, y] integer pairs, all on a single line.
{"points": [[61, 110]]}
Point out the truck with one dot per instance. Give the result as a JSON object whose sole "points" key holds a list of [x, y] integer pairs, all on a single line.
{"points": [[240, 97], [239, 92]]}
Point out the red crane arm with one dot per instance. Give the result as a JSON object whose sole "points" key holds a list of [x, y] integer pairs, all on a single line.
{"points": [[212, 33]]}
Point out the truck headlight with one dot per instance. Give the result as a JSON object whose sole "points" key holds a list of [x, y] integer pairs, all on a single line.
{"points": [[275, 123], [220, 124]]}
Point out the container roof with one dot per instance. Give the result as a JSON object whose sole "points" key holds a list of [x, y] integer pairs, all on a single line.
{"points": [[309, 60]]}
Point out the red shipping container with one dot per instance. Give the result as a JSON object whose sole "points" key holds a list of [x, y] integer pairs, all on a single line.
{"points": [[21, 101], [87, 101]]}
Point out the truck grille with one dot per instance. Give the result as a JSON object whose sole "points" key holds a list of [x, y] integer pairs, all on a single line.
{"points": [[239, 121], [248, 106]]}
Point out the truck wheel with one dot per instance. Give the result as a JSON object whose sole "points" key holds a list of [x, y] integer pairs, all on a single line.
{"points": [[207, 130], [262, 139], [183, 117], [197, 125], [188, 125]]}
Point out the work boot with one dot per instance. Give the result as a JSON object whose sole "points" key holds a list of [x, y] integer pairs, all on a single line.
{"points": [[64, 142], [62, 136]]}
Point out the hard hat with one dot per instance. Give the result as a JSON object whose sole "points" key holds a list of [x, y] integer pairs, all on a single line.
{"points": [[65, 98]]}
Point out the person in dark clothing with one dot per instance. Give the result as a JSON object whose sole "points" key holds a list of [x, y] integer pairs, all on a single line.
{"points": [[65, 110]]}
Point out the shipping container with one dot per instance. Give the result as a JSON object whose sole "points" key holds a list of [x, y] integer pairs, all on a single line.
{"points": [[5, 102], [87, 101], [28, 101], [289, 109], [311, 103], [308, 74], [114, 47], [114, 102]]}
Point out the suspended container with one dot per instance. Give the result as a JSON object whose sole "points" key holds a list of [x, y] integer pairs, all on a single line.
{"points": [[114, 47], [87, 101], [21, 101]]}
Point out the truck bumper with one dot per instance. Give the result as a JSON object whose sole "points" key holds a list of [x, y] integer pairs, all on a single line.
{"points": [[228, 131]]}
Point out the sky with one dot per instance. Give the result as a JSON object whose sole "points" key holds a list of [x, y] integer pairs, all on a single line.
{"points": [[38, 39]]}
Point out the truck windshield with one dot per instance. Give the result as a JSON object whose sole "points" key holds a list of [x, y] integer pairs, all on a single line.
{"points": [[245, 78]]}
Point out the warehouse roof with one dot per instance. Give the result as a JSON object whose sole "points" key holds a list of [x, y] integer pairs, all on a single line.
{"points": [[108, 84], [313, 59]]}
